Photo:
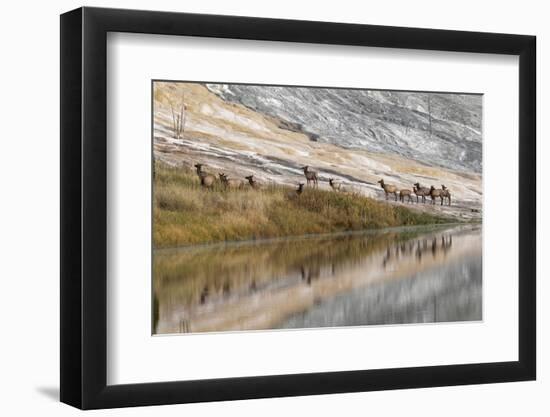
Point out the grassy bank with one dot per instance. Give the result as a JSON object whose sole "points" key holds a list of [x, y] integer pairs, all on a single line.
{"points": [[184, 213]]}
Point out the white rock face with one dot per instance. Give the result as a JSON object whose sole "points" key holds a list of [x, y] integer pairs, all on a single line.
{"points": [[433, 128]]}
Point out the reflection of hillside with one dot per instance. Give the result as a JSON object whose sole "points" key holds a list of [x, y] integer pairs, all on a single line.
{"points": [[451, 292], [242, 279], [214, 271]]}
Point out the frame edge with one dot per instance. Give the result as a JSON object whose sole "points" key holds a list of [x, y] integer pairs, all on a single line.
{"points": [[527, 273], [70, 208]]}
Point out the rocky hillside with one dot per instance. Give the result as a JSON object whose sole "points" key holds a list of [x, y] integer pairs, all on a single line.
{"points": [[273, 132], [438, 129]]}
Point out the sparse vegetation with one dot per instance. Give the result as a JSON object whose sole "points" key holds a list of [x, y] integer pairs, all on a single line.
{"points": [[178, 117], [186, 213]]}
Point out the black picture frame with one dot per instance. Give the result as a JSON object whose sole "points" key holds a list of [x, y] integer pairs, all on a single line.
{"points": [[84, 207]]}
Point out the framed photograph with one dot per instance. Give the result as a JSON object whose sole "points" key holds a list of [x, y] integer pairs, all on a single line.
{"points": [[258, 208]]}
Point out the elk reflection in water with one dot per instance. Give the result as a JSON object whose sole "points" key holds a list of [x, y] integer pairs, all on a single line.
{"points": [[330, 280], [419, 247]]}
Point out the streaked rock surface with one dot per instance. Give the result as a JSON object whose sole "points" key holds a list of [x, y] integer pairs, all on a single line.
{"points": [[379, 121]]}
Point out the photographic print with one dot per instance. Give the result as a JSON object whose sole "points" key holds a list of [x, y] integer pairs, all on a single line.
{"points": [[299, 207]]}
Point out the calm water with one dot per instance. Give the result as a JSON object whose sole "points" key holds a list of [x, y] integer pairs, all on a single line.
{"points": [[407, 275]]}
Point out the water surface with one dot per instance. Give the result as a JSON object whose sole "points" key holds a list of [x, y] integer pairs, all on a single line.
{"points": [[406, 275]]}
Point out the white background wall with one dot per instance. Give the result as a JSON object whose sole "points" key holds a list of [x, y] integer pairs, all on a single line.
{"points": [[29, 209]]}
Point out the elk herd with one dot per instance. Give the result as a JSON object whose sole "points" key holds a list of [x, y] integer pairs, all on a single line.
{"points": [[442, 193], [404, 195]]}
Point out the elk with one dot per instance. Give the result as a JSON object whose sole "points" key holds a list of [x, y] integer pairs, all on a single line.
{"points": [[421, 191], [253, 183], [207, 180], [296, 192], [405, 193], [311, 176], [388, 189], [446, 193], [436, 192], [230, 183], [336, 186]]}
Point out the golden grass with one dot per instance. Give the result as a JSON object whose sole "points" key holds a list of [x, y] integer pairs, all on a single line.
{"points": [[184, 213]]}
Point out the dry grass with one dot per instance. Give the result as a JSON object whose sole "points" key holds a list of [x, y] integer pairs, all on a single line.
{"points": [[185, 213]]}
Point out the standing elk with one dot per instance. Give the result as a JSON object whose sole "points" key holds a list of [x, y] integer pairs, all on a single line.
{"points": [[421, 191], [311, 176], [207, 180], [436, 192], [336, 186], [388, 189], [230, 183], [446, 193], [252, 182], [405, 193]]}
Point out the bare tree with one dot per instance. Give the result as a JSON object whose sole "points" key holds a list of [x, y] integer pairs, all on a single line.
{"points": [[179, 115]]}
